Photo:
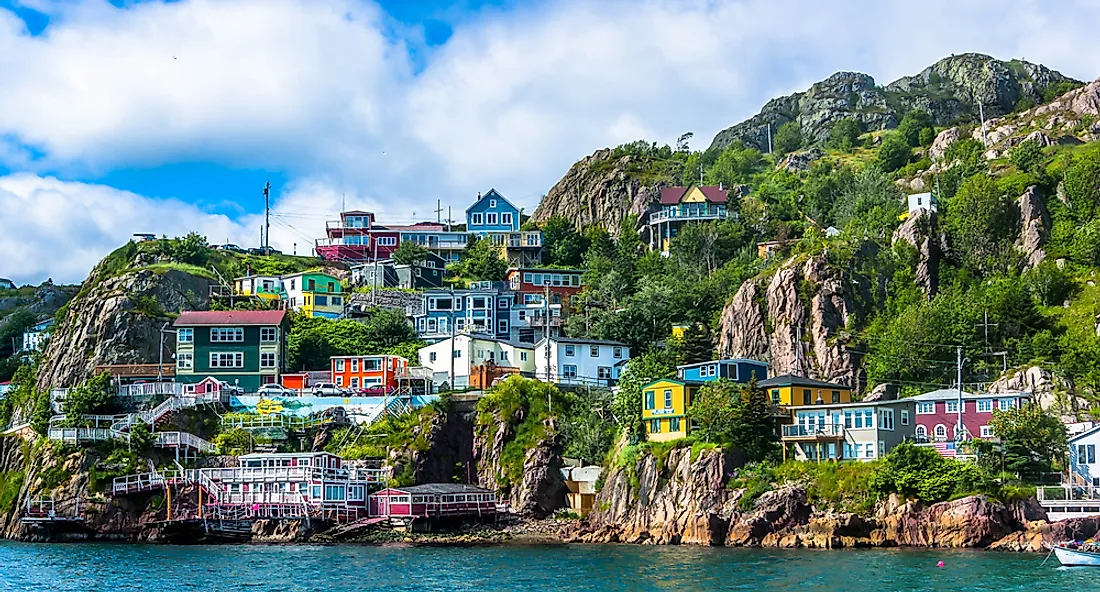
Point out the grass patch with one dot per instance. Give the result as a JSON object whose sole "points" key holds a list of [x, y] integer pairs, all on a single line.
{"points": [[163, 268], [10, 484]]}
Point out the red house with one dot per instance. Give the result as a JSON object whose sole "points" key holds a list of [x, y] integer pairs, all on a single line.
{"points": [[371, 373], [532, 283], [357, 237], [433, 500], [937, 413]]}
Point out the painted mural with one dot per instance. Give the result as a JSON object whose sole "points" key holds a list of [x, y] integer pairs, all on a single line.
{"points": [[358, 409]]}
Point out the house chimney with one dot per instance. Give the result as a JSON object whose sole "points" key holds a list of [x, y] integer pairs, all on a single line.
{"points": [[720, 186]]}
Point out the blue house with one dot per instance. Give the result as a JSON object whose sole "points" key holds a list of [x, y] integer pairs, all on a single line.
{"points": [[484, 309], [738, 370], [492, 213]]}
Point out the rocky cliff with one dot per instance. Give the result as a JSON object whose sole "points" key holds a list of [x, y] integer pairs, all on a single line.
{"points": [[921, 231], [1069, 119], [795, 320], [534, 486], [602, 189], [117, 320], [949, 90]]}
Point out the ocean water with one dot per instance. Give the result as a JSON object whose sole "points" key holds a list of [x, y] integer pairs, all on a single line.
{"points": [[607, 568]]}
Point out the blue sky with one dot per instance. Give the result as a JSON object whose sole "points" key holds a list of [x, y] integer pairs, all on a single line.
{"points": [[122, 117]]}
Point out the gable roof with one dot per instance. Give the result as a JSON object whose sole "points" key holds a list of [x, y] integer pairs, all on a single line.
{"points": [[495, 195], [953, 394], [724, 361], [1084, 434], [230, 317], [572, 341], [446, 488], [795, 380], [714, 194]]}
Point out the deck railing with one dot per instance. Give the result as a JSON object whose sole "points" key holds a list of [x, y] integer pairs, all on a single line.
{"points": [[829, 430]]}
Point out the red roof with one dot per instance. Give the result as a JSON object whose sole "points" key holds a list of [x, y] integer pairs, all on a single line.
{"points": [[230, 317], [672, 195]]}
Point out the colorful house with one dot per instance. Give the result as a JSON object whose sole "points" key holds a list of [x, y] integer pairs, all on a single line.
{"points": [[484, 309], [938, 414], [684, 205], [738, 370], [246, 348], [847, 431], [6, 284], [264, 287], [388, 274], [315, 294], [664, 408], [584, 362], [34, 337], [433, 500], [790, 389], [492, 215], [532, 284], [368, 372]]}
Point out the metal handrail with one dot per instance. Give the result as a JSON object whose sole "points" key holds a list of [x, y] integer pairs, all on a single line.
{"points": [[799, 430]]}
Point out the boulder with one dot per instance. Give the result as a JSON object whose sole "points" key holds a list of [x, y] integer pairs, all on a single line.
{"points": [[972, 521], [1034, 226], [772, 514], [799, 161], [943, 141]]}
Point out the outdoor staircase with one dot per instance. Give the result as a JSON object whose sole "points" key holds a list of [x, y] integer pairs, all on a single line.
{"points": [[119, 426]]}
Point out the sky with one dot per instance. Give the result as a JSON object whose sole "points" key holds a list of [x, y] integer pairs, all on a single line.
{"points": [[130, 116]]}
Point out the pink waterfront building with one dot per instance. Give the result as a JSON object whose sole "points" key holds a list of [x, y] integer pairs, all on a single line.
{"points": [[937, 413]]}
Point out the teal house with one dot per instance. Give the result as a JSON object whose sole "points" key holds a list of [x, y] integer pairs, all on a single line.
{"points": [[245, 348]]}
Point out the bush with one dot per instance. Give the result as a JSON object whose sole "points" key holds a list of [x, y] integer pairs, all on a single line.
{"points": [[788, 138], [844, 135], [1027, 156], [916, 471], [894, 153]]}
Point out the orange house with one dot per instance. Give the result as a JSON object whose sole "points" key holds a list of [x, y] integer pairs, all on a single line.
{"points": [[368, 372]]}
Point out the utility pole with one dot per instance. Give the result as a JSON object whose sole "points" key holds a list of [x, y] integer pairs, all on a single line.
{"points": [[377, 268], [769, 137], [449, 220], [959, 428], [981, 114], [438, 211], [546, 299], [267, 218], [986, 325], [452, 337]]}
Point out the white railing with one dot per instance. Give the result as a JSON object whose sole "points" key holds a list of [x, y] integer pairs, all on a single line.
{"points": [[274, 421], [831, 430], [182, 440], [79, 435], [711, 214], [149, 389]]}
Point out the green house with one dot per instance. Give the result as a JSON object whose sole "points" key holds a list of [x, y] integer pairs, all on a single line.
{"points": [[246, 348], [315, 294]]}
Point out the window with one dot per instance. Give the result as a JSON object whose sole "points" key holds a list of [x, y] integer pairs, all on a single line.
{"points": [[523, 356], [227, 359], [674, 424], [439, 304], [339, 365], [1006, 403], [922, 432], [340, 381], [267, 359], [926, 408], [775, 396], [506, 218], [603, 372], [868, 418], [334, 492], [457, 353], [475, 219], [431, 357], [655, 426], [870, 450], [479, 303], [527, 278], [491, 219], [321, 300], [372, 364], [594, 351], [886, 419], [904, 417], [336, 301], [492, 203], [668, 399], [941, 431], [185, 336], [569, 371], [617, 353], [504, 355], [502, 326], [387, 241], [952, 406], [806, 397], [355, 493], [649, 396], [185, 361], [226, 334], [570, 351], [268, 334], [355, 364], [836, 396], [986, 431], [1086, 454], [985, 405]]}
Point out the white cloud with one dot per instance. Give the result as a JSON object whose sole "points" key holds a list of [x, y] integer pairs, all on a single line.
{"points": [[324, 91]]}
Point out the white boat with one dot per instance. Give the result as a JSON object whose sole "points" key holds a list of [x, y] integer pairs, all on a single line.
{"points": [[1073, 557]]}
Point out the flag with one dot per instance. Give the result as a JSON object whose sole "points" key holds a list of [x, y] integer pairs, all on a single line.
{"points": [[946, 449]]}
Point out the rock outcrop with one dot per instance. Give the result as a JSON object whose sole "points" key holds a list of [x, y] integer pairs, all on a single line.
{"points": [[602, 189], [948, 90], [806, 334], [1034, 226], [921, 230], [800, 160], [679, 501], [538, 488], [1069, 119], [117, 320], [1051, 392], [943, 141]]}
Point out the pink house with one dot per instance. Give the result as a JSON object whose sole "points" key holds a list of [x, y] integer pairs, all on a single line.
{"points": [[937, 413]]}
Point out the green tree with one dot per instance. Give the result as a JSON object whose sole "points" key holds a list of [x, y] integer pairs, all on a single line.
{"points": [[11, 331], [586, 426], [1033, 440], [313, 340], [844, 135], [92, 397], [735, 165], [1027, 156], [481, 260], [754, 424], [695, 346], [562, 245], [714, 411], [894, 153], [141, 438], [640, 370], [912, 125], [191, 249], [978, 222], [410, 253], [870, 201], [919, 471], [788, 138], [1082, 183]]}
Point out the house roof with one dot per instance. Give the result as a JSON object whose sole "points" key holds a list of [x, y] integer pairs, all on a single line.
{"points": [[495, 195], [445, 488], [673, 195], [544, 269], [573, 341], [849, 405], [483, 337], [725, 361], [674, 380], [795, 380], [953, 394], [230, 317], [1085, 434], [358, 213]]}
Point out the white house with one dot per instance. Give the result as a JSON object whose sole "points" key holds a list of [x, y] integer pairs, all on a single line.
{"points": [[1084, 468], [469, 351], [564, 360], [34, 336], [6, 284], [922, 201]]}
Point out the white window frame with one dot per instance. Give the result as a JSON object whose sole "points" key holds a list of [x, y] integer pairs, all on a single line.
{"points": [[226, 334], [339, 364], [986, 431], [921, 431], [354, 382], [226, 360], [569, 371], [491, 219], [617, 353], [475, 219], [904, 417], [185, 336], [987, 404], [1008, 403], [926, 407], [570, 350], [886, 420], [268, 360], [594, 351], [492, 203], [947, 407], [185, 361], [269, 334], [936, 433], [506, 218], [387, 241]]}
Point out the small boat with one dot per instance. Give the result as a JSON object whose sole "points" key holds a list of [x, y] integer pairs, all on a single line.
{"points": [[1076, 557]]}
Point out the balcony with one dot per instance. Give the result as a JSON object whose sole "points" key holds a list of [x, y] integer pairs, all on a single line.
{"points": [[525, 240], [680, 214], [813, 432]]}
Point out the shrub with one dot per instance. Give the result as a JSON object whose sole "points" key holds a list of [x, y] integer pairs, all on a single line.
{"points": [[894, 153]]}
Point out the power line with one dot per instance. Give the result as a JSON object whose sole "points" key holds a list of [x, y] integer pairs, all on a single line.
{"points": [[867, 353]]}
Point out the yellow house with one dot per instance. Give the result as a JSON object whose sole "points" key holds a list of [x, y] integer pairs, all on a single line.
{"points": [[791, 390], [664, 409], [684, 205]]}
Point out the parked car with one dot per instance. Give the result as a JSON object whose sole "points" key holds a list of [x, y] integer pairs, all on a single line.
{"points": [[230, 247], [372, 390], [327, 389], [231, 389], [263, 251], [276, 390]]}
